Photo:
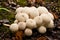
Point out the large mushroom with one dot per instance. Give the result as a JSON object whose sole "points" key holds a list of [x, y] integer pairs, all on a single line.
{"points": [[22, 17]]}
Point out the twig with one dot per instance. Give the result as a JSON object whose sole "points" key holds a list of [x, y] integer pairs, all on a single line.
{"points": [[6, 25]]}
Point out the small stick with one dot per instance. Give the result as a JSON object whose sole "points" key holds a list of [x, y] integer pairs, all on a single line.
{"points": [[6, 25]]}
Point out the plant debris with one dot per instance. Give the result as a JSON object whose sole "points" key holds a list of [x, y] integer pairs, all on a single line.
{"points": [[19, 35]]}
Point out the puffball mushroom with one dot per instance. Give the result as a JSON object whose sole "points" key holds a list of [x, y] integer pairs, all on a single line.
{"points": [[42, 10], [28, 32], [33, 7], [42, 29], [16, 21], [33, 12], [22, 17], [19, 10], [51, 24], [38, 20], [14, 27], [26, 10], [46, 18], [30, 23], [22, 25], [52, 17]]}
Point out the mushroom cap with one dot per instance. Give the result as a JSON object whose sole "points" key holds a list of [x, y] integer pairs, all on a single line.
{"points": [[51, 15], [51, 24], [22, 17], [26, 10], [30, 23], [38, 20], [46, 18], [22, 25], [33, 12], [14, 27], [16, 21], [28, 32], [42, 29], [42, 10], [19, 10], [33, 7]]}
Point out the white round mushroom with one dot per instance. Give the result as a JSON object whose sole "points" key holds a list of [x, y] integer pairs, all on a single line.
{"points": [[46, 18], [51, 24], [28, 32], [22, 25], [30, 23], [42, 10], [26, 10], [33, 12], [42, 29], [22, 17], [14, 27], [33, 7], [38, 20], [16, 21], [19, 10], [52, 17]]}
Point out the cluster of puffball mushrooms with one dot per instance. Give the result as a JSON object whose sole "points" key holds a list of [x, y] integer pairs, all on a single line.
{"points": [[28, 18]]}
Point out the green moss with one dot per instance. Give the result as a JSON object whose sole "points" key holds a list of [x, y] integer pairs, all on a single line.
{"points": [[22, 2], [6, 14]]}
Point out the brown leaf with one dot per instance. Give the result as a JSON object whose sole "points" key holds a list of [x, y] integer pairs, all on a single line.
{"points": [[42, 38], [19, 35], [55, 16]]}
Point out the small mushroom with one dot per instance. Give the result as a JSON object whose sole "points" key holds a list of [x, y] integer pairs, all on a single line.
{"points": [[51, 15], [19, 10], [51, 24], [22, 25], [42, 10], [42, 29], [30, 23], [38, 20], [33, 12], [46, 18], [16, 21], [26, 10], [14, 27], [28, 32]]}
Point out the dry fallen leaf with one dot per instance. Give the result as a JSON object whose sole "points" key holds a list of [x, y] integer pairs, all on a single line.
{"points": [[55, 16], [19, 35], [42, 38]]}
